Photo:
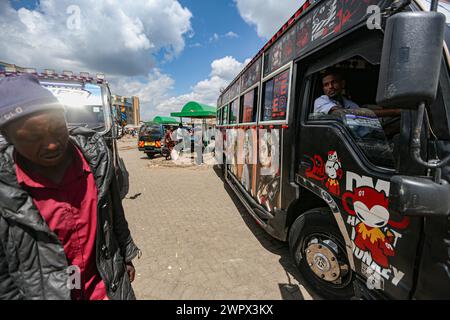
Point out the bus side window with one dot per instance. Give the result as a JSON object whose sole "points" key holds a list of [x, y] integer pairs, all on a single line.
{"points": [[234, 112], [249, 104], [275, 97], [225, 115]]}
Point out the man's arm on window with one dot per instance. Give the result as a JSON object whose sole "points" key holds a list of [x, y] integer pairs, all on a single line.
{"points": [[388, 113], [324, 105]]}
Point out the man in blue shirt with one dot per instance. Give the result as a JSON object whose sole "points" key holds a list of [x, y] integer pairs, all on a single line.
{"points": [[333, 99]]}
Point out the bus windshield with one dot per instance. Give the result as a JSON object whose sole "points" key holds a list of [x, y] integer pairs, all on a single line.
{"points": [[83, 103]]}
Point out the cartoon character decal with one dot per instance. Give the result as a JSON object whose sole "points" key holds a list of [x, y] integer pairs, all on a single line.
{"points": [[374, 232], [370, 207], [331, 171], [317, 172]]}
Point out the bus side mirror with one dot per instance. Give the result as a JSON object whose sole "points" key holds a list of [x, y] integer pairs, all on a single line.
{"points": [[419, 197], [116, 131], [411, 59]]}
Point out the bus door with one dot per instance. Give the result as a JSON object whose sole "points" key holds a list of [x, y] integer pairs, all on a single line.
{"points": [[346, 156]]}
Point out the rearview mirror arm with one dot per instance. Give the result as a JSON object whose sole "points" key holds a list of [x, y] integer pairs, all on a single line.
{"points": [[395, 7], [416, 146]]}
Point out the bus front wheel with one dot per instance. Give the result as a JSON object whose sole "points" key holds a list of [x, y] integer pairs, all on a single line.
{"points": [[318, 250]]}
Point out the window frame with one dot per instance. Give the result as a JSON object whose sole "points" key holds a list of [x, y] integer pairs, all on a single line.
{"points": [[219, 116], [225, 116], [237, 99], [308, 98], [289, 66], [257, 102], [359, 43]]}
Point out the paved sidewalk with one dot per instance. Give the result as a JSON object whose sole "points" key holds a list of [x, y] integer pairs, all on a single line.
{"points": [[198, 241]]}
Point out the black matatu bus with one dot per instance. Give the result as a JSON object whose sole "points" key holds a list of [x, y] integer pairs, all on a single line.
{"points": [[361, 194]]}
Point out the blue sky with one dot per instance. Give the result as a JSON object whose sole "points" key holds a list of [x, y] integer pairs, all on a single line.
{"points": [[212, 17], [207, 41], [29, 4]]}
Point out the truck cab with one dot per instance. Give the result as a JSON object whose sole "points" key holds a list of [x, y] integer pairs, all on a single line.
{"points": [[87, 103]]}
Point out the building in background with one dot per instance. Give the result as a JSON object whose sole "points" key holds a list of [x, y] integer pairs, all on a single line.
{"points": [[128, 110], [4, 66]]}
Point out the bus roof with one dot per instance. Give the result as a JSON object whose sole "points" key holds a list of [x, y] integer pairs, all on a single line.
{"points": [[313, 24]]}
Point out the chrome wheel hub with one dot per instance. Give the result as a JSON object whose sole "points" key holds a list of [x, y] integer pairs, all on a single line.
{"points": [[323, 261]]}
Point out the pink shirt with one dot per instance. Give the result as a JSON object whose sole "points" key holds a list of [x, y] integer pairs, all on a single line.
{"points": [[70, 210]]}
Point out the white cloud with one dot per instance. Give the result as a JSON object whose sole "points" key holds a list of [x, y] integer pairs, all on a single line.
{"points": [[231, 35], [267, 18], [155, 90], [226, 68], [152, 90], [195, 45], [214, 37], [228, 35], [117, 37]]}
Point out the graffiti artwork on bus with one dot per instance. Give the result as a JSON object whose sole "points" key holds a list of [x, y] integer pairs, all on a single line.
{"points": [[329, 173], [249, 149], [329, 19], [268, 194], [232, 150], [374, 233]]}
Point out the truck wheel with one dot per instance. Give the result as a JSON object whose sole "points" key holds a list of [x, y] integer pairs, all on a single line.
{"points": [[150, 155], [319, 252]]}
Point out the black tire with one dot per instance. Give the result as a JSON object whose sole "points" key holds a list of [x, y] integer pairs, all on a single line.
{"points": [[150, 155], [319, 223]]}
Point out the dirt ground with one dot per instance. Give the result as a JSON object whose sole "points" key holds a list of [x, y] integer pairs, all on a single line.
{"points": [[198, 241]]}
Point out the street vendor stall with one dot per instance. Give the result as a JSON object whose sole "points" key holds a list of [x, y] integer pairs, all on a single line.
{"points": [[165, 120], [195, 110]]}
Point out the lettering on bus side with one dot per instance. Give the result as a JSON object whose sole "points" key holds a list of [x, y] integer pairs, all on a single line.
{"points": [[374, 234]]}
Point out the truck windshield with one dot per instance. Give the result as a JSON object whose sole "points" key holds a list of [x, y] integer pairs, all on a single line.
{"points": [[443, 7], [369, 134], [83, 103]]}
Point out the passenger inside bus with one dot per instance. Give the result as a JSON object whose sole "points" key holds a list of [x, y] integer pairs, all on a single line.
{"points": [[346, 93]]}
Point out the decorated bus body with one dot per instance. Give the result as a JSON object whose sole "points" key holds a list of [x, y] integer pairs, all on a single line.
{"points": [[333, 185]]}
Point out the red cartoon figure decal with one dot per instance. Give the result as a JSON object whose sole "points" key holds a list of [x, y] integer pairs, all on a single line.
{"points": [[370, 207], [333, 169], [317, 172]]}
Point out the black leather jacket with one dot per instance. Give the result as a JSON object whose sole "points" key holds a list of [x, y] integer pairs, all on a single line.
{"points": [[33, 264]]}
